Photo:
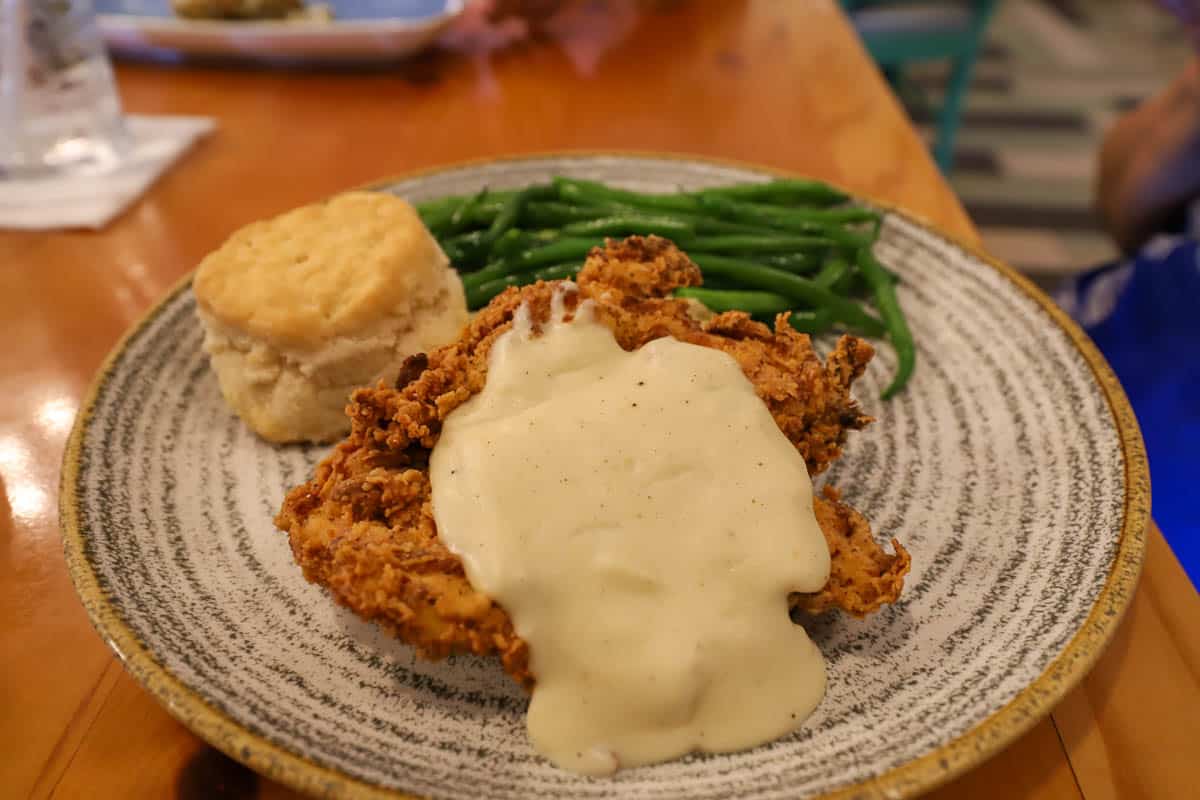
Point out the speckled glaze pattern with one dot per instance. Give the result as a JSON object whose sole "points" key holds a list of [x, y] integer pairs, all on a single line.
{"points": [[1011, 469]]}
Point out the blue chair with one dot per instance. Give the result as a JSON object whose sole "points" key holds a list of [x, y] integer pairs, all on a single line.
{"points": [[901, 32]]}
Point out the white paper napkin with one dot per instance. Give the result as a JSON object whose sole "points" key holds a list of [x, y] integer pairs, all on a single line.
{"points": [[92, 201]]}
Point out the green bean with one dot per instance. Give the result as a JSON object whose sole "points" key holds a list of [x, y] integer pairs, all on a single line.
{"points": [[563, 212], [893, 316], [802, 262], [759, 244], [835, 270], [436, 217], [630, 225], [848, 283], [459, 220], [515, 241], [492, 271], [711, 226], [483, 214], [553, 253], [811, 322], [789, 191], [438, 205], [705, 224], [732, 300], [480, 215], [593, 192], [557, 272], [836, 216], [453, 201], [796, 288], [717, 282], [507, 218], [487, 209], [565, 249], [480, 295], [753, 242], [552, 213], [467, 250], [436, 214], [783, 220]]}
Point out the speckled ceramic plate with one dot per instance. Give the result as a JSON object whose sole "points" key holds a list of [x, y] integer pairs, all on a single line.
{"points": [[360, 31], [1011, 468]]}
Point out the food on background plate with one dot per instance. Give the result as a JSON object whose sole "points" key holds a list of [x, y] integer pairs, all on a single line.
{"points": [[300, 310], [367, 525], [251, 9]]}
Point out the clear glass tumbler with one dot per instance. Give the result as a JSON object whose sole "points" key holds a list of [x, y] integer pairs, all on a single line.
{"points": [[59, 109]]}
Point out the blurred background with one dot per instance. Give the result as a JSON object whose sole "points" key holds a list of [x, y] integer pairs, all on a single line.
{"points": [[1051, 78]]}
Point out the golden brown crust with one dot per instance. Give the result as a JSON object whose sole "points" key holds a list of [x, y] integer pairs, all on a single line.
{"points": [[339, 268], [862, 577], [364, 527]]}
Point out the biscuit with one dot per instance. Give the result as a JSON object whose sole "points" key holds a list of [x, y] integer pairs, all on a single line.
{"points": [[302, 309]]}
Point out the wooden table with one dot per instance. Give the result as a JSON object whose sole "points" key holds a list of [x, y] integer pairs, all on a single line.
{"points": [[781, 83]]}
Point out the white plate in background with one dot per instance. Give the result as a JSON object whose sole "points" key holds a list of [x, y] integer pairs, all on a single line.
{"points": [[362, 31]]}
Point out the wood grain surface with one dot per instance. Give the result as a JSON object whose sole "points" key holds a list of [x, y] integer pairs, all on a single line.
{"points": [[776, 82]]}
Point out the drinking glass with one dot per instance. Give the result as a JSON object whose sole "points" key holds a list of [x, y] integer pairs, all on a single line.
{"points": [[59, 109]]}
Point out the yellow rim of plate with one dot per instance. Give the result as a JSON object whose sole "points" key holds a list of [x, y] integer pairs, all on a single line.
{"points": [[922, 774]]}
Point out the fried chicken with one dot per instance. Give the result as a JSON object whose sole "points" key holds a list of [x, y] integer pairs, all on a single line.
{"points": [[862, 576], [364, 528]]}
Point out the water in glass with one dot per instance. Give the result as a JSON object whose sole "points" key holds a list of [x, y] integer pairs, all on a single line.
{"points": [[59, 109]]}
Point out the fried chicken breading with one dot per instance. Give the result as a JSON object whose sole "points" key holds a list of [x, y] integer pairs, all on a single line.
{"points": [[364, 528], [862, 576]]}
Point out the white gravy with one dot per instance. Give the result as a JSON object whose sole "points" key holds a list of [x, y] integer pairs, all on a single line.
{"points": [[642, 519]]}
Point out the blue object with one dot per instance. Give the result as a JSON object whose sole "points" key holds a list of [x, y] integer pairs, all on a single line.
{"points": [[1145, 317], [901, 32], [343, 10]]}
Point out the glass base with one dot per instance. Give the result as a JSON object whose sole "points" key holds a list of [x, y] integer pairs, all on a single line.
{"points": [[68, 155]]}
